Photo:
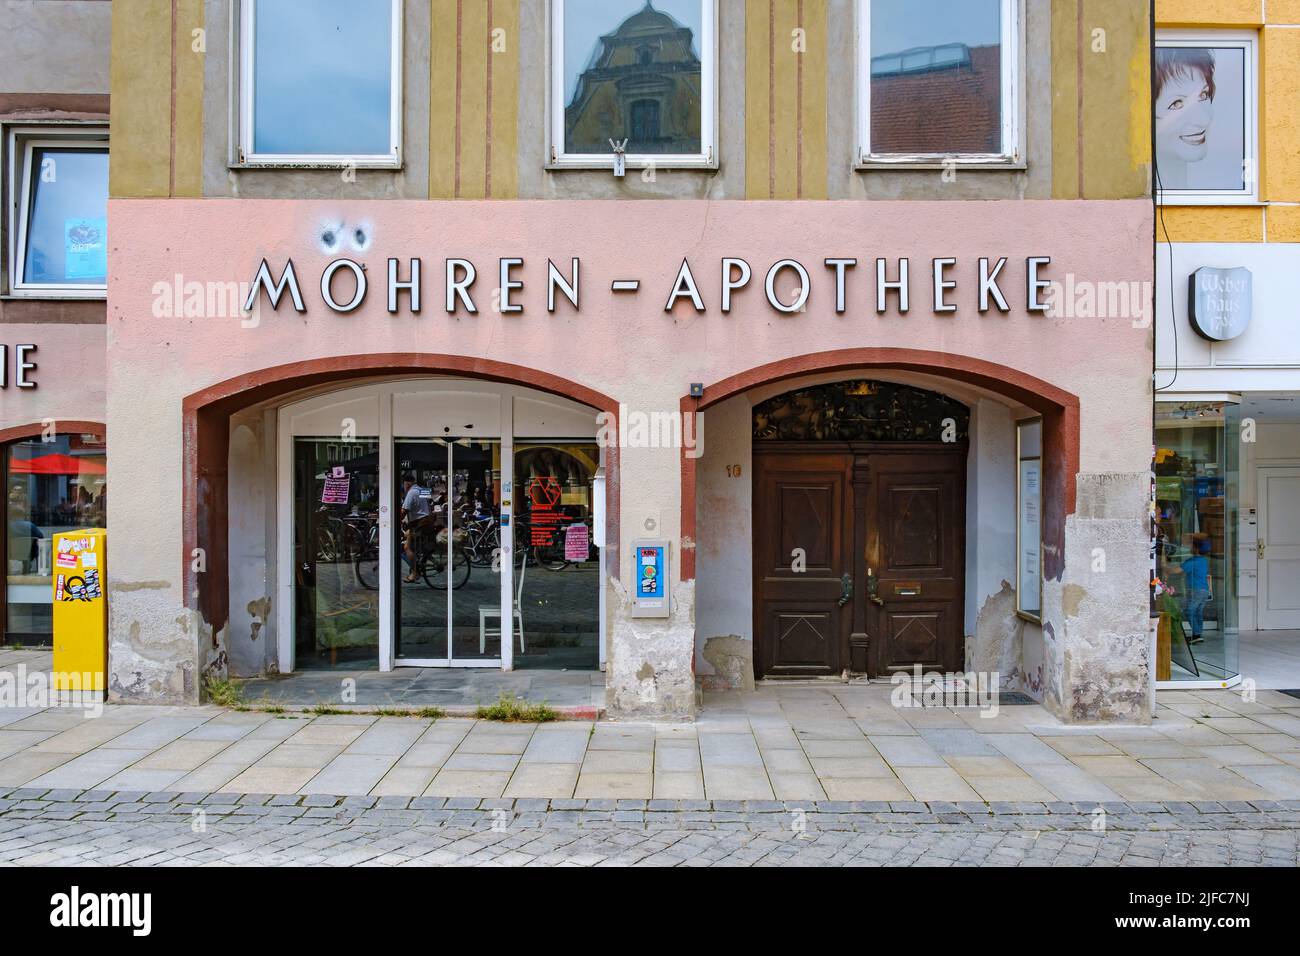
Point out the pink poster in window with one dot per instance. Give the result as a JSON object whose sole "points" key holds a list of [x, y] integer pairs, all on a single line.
{"points": [[336, 491], [577, 542]]}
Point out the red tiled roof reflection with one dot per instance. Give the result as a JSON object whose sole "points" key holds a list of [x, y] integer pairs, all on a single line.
{"points": [[949, 109]]}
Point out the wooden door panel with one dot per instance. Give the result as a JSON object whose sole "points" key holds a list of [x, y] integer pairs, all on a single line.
{"points": [[916, 527], [803, 510], [916, 552], [914, 635], [803, 638], [802, 545], [908, 528]]}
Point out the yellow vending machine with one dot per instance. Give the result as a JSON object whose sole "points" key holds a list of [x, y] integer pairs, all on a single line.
{"points": [[80, 611]]}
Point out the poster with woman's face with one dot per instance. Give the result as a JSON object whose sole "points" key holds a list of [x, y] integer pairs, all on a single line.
{"points": [[1200, 119]]}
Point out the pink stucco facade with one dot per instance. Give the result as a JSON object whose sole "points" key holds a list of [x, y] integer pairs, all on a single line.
{"points": [[625, 345]]}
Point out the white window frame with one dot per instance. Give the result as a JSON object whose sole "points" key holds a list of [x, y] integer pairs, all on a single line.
{"points": [[1248, 42], [23, 141], [244, 154], [1033, 615], [706, 158], [1012, 153]]}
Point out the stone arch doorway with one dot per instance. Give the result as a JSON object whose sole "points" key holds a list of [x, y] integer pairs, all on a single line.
{"points": [[859, 515]]}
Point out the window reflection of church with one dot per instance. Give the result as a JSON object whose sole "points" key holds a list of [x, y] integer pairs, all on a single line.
{"points": [[641, 83]]}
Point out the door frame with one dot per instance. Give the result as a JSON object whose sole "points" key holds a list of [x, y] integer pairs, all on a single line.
{"points": [[1261, 505], [860, 489]]}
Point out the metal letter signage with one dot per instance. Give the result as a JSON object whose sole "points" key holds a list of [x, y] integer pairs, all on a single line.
{"points": [[736, 273], [1218, 302]]}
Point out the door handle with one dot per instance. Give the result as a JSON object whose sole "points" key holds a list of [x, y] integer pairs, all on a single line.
{"points": [[846, 590], [1259, 549], [871, 587]]}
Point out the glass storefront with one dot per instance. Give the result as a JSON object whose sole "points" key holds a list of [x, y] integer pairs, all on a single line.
{"points": [[336, 551], [1197, 474], [426, 544], [560, 595], [52, 486]]}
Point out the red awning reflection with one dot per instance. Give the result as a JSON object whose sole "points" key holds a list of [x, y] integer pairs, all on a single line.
{"points": [[57, 464]]}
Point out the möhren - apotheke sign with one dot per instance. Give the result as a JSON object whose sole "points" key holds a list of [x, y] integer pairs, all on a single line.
{"points": [[893, 278]]}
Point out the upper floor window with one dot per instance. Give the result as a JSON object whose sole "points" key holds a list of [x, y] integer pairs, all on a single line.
{"points": [[321, 82], [1206, 104], [938, 82], [640, 74], [58, 222]]}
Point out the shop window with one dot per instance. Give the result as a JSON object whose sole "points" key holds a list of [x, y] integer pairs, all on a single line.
{"points": [[58, 226], [1206, 103], [1197, 471], [555, 525], [1029, 519], [320, 82], [336, 551], [938, 82], [51, 486], [643, 75]]}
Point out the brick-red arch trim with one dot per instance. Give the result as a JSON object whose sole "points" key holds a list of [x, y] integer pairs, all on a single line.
{"points": [[62, 427], [1059, 408], [207, 414]]}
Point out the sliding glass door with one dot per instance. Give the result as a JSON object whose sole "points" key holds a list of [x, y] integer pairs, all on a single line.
{"points": [[447, 562]]}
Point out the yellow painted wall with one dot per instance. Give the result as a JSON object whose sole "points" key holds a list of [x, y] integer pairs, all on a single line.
{"points": [[474, 99], [140, 104], [1279, 135], [1101, 116], [188, 153], [785, 100], [1210, 224], [1280, 97], [156, 144], [1210, 13]]}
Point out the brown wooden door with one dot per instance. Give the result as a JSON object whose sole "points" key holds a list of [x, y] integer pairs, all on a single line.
{"points": [[915, 550], [801, 614]]}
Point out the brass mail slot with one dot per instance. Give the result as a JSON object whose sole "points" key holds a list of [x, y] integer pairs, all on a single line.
{"points": [[907, 590]]}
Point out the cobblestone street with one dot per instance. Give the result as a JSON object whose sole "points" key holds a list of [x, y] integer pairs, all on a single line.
{"points": [[98, 828]]}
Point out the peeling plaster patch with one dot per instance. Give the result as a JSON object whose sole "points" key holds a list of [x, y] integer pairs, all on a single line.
{"points": [[1072, 596], [732, 658], [1053, 552], [1108, 680], [1051, 689], [649, 672], [260, 611], [155, 655], [998, 642]]}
